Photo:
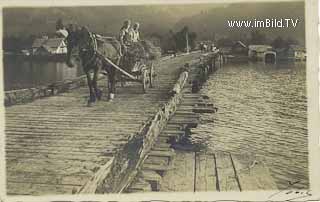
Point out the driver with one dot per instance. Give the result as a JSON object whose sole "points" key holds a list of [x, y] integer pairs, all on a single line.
{"points": [[124, 36]]}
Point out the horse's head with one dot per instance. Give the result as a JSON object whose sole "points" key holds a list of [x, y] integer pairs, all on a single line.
{"points": [[79, 37]]}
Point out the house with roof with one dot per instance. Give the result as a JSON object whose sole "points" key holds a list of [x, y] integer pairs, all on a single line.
{"points": [[261, 53], [239, 48], [46, 46]]}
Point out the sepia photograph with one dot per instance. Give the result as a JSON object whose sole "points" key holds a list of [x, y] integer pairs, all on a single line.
{"points": [[156, 98]]}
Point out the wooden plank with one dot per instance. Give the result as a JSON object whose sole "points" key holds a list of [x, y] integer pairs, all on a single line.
{"points": [[172, 134], [157, 160], [205, 173], [162, 153], [164, 145], [181, 177], [150, 175], [155, 167], [38, 135], [63, 180], [253, 174], [140, 186], [33, 189], [226, 175]]}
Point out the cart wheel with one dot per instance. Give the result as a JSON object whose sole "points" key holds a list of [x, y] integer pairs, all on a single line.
{"points": [[151, 75], [144, 80]]}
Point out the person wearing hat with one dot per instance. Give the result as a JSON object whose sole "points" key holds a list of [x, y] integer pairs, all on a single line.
{"points": [[124, 36], [135, 35]]}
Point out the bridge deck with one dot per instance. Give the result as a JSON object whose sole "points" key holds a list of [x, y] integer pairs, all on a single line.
{"points": [[55, 145]]}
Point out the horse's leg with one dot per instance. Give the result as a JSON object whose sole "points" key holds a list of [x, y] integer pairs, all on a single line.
{"points": [[112, 82], [91, 93], [97, 91], [121, 62]]}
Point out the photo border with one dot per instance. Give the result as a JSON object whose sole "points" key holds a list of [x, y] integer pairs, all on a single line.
{"points": [[313, 55]]}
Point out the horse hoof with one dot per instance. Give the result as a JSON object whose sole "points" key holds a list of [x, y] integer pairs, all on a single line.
{"points": [[89, 104], [91, 101], [99, 94], [111, 97]]}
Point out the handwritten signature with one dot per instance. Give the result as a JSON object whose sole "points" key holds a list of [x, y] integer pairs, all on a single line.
{"points": [[290, 195]]}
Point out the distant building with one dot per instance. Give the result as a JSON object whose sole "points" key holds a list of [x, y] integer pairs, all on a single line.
{"points": [[37, 43], [25, 52], [259, 52], [52, 46], [292, 52], [297, 52], [239, 48]]}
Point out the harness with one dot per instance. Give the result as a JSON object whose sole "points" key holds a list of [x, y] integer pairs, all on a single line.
{"points": [[92, 41]]}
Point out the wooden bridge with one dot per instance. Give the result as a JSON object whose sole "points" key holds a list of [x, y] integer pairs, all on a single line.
{"points": [[57, 145]]}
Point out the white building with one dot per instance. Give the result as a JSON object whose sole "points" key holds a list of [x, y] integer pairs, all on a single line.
{"points": [[52, 46], [261, 52]]}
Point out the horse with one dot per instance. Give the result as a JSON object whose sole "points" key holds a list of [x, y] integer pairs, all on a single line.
{"points": [[92, 52]]}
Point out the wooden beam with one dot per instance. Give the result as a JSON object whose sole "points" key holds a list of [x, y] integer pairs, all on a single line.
{"points": [[97, 179], [116, 66], [205, 173], [227, 178]]}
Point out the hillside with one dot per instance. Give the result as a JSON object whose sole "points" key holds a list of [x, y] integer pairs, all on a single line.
{"points": [[106, 20], [214, 22], [208, 21]]}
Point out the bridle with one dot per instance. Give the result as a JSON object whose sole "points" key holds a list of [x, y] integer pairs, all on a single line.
{"points": [[93, 40]]}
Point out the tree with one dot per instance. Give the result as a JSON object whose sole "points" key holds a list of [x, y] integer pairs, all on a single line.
{"points": [[192, 40], [292, 41], [258, 37], [279, 42], [180, 38], [223, 42]]}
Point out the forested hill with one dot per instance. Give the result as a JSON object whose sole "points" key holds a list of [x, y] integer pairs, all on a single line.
{"points": [[207, 21], [106, 20], [214, 21]]}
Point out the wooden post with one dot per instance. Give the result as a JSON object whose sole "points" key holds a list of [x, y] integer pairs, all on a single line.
{"points": [[187, 40], [214, 63]]}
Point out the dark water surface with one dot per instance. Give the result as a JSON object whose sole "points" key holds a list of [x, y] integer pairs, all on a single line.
{"points": [[262, 111], [22, 73]]}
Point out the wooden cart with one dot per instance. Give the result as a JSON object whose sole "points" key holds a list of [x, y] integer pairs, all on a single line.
{"points": [[145, 73]]}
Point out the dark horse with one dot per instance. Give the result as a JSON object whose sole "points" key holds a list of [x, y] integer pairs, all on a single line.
{"points": [[91, 51]]}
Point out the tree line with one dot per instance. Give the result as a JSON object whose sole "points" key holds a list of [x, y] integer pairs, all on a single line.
{"points": [[258, 38]]}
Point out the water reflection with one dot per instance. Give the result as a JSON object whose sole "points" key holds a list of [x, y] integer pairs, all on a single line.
{"points": [[21, 73]]}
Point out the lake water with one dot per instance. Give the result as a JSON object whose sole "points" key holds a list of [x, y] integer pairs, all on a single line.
{"points": [[262, 111], [20, 73]]}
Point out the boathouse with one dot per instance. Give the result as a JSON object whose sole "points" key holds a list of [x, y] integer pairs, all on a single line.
{"points": [[259, 52]]}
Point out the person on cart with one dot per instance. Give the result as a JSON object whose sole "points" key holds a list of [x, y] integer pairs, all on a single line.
{"points": [[136, 48], [124, 36], [135, 33], [131, 50]]}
